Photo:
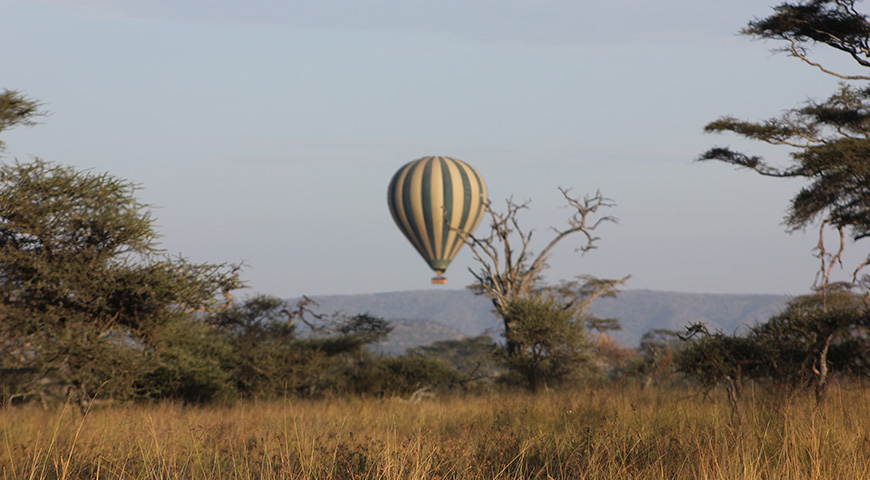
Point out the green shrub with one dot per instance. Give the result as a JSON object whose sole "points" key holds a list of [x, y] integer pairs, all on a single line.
{"points": [[400, 375], [546, 342]]}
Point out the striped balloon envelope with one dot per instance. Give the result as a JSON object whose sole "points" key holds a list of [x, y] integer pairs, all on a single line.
{"points": [[436, 202]]}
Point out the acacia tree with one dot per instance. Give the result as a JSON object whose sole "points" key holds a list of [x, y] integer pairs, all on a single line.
{"points": [[829, 140], [16, 109], [510, 272], [86, 295], [788, 348], [550, 344], [509, 269], [816, 332], [276, 348]]}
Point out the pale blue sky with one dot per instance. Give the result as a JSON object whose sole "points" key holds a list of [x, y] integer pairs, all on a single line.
{"points": [[267, 131]]}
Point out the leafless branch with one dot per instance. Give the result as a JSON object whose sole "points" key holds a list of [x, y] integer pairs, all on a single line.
{"points": [[828, 260], [507, 268], [303, 308], [797, 51]]}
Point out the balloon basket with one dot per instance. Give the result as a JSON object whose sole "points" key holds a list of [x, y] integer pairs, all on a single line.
{"points": [[439, 280]]}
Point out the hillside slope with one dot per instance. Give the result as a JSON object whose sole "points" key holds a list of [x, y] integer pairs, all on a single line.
{"points": [[638, 310]]}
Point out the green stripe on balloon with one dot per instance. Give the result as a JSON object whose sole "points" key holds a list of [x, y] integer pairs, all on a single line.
{"points": [[421, 199]]}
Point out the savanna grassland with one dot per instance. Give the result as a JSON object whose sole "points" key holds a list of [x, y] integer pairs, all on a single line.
{"points": [[606, 432]]}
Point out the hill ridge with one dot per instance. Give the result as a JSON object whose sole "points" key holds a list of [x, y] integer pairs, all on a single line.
{"points": [[638, 310]]}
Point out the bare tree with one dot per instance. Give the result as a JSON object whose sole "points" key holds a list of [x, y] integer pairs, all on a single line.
{"points": [[508, 269]]}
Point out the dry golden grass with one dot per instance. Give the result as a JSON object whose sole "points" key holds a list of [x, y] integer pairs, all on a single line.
{"points": [[612, 432]]}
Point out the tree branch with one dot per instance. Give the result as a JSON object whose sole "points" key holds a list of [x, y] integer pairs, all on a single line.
{"points": [[795, 51]]}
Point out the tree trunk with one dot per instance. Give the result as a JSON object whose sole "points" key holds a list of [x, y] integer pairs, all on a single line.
{"points": [[732, 389], [823, 371]]}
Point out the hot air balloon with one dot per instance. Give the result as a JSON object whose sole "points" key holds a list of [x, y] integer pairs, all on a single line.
{"points": [[436, 201]]}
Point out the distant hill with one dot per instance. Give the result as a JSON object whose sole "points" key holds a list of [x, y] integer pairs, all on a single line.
{"points": [[459, 312], [640, 311], [410, 333]]}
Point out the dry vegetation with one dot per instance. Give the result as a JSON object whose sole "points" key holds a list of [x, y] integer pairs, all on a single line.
{"points": [[612, 432]]}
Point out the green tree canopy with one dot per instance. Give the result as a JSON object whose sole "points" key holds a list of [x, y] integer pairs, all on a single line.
{"points": [[814, 336], [276, 348], [835, 23], [85, 294], [831, 144], [829, 140], [549, 339], [16, 109]]}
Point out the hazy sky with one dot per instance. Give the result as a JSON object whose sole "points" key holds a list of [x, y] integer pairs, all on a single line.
{"points": [[266, 131]]}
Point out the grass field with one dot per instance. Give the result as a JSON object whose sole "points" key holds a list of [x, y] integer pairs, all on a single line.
{"points": [[606, 432]]}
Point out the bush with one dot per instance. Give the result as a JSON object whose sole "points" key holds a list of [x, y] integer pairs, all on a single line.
{"points": [[400, 375], [85, 295], [546, 342], [187, 365]]}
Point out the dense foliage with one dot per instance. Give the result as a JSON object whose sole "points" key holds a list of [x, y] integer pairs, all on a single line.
{"points": [[86, 298], [550, 342], [474, 358], [813, 333], [16, 109], [275, 349]]}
